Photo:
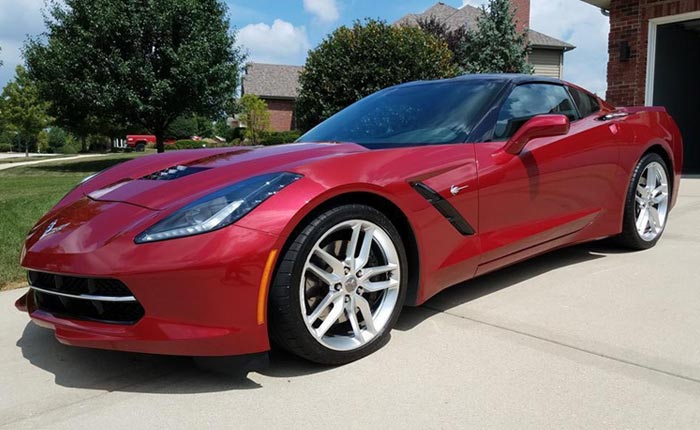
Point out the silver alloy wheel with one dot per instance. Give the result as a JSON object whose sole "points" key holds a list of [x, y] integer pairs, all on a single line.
{"points": [[651, 197], [350, 285]]}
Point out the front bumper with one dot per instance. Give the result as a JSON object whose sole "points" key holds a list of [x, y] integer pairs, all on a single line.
{"points": [[200, 294]]}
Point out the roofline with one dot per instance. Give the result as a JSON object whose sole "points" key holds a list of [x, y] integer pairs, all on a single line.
{"points": [[273, 64], [554, 47], [284, 98], [603, 4]]}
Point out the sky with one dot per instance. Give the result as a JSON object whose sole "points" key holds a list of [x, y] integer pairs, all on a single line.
{"points": [[282, 31]]}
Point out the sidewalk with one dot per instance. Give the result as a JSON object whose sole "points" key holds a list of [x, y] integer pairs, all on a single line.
{"points": [[5, 166]]}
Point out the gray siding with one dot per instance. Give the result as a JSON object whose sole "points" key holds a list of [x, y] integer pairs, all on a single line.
{"points": [[547, 62]]}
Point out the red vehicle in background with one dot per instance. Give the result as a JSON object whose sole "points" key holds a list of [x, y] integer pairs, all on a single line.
{"points": [[138, 142]]}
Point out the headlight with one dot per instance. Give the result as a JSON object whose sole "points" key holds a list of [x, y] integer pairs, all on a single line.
{"points": [[219, 209]]}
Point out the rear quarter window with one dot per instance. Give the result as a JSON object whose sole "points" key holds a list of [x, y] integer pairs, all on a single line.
{"points": [[586, 103]]}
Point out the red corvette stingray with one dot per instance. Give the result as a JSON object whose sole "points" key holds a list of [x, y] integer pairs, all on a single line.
{"points": [[318, 245]]}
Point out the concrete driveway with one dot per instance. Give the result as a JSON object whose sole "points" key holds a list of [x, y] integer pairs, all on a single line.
{"points": [[587, 337]]}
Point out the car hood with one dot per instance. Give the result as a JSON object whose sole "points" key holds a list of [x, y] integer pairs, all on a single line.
{"points": [[159, 181]]}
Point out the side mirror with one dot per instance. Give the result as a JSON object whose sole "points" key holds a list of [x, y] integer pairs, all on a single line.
{"points": [[539, 126]]}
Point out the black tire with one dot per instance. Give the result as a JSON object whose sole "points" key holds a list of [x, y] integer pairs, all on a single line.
{"points": [[630, 238], [287, 327], [140, 147]]}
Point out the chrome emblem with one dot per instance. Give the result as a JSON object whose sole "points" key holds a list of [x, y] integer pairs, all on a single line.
{"points": [[455, 189], [53, 229]]}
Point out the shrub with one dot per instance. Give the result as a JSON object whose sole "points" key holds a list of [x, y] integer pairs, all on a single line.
{"points": [[186, 144], [256, 116], [57, 139], [279, 137], [5, 147], [72, 146], [42, 142]]}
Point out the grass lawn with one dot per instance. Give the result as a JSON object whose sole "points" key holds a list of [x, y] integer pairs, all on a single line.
{"points": [[27, 192]]}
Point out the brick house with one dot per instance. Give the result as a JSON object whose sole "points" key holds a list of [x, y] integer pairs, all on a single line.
{"points": [[277, 84], [547, 55], [654, 59]]}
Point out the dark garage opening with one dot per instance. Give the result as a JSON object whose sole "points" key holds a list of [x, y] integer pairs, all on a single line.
{"points": [[676, 83]]}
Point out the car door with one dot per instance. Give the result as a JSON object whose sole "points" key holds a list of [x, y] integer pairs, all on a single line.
{"points": [[554, 188]]}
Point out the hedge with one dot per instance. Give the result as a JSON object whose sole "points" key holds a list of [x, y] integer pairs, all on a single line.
{"points": [[186, 144], [279, 137]]}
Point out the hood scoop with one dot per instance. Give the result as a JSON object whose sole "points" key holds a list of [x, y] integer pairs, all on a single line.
{"points": [[174, 172]]}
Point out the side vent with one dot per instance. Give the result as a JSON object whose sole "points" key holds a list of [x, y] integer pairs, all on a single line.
{"points": [[444, 207]]}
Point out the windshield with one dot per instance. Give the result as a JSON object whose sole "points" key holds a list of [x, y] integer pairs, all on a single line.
{"points": [[423, 114]]}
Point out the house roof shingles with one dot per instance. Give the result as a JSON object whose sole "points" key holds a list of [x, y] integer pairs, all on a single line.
{"points": [[274, 81], [467, 15]]}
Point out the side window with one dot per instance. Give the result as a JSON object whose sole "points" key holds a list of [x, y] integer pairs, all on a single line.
{"points": [[529, 100], [587, 104]]}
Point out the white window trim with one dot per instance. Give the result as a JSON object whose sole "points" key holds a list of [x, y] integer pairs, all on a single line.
{"points": [[651, 48]]}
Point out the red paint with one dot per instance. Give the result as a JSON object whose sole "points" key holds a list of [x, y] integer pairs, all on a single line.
{"points": [[200, 293]]}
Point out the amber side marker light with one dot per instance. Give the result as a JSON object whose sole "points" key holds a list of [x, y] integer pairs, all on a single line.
{"points": [[264, 285]]}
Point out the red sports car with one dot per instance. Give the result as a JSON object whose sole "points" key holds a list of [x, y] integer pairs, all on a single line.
{"points": [[316, 246]]}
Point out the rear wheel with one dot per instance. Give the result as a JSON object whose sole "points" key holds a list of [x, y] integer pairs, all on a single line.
{"points": [[647, 204], [140, 147], [339, 287]]}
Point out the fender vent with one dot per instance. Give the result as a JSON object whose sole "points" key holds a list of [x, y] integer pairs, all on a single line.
{"points": [[444, 207]]}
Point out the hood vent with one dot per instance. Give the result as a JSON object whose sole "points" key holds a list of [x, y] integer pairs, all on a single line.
{"points": [[174, 172]]}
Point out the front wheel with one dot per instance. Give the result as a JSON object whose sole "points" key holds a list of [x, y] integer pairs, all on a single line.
{"points": [[339, 287], [647, 204]]}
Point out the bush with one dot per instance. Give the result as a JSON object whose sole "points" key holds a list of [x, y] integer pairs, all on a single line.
{"points": [[42, 142], [72, 146], [5, 147], [186, 144], [279, 137], [57, 139], [98, 143]]}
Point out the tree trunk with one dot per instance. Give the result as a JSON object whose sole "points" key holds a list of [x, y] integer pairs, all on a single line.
{"points": [[83, 144], [160, 142]]}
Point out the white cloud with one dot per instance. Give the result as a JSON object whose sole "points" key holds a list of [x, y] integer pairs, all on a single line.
{"points": [[323, 10], [279, 43]]}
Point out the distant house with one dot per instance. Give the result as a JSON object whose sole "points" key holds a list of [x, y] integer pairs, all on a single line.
{"points": [[547, 56], [654, 59], [278, 85]]}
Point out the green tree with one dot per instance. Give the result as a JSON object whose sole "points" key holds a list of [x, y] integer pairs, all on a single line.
{"points": [[495, 46], [57, 138], [255, 115], [22, 108], [457, 39], [354, 62], [186, 126], [135, 62]]}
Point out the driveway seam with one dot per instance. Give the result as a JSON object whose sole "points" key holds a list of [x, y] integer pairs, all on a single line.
{"points": [[565, 345], [106, 392]]}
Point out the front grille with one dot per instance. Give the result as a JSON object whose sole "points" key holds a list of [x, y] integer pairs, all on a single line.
{"points": [[93, 299]]}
